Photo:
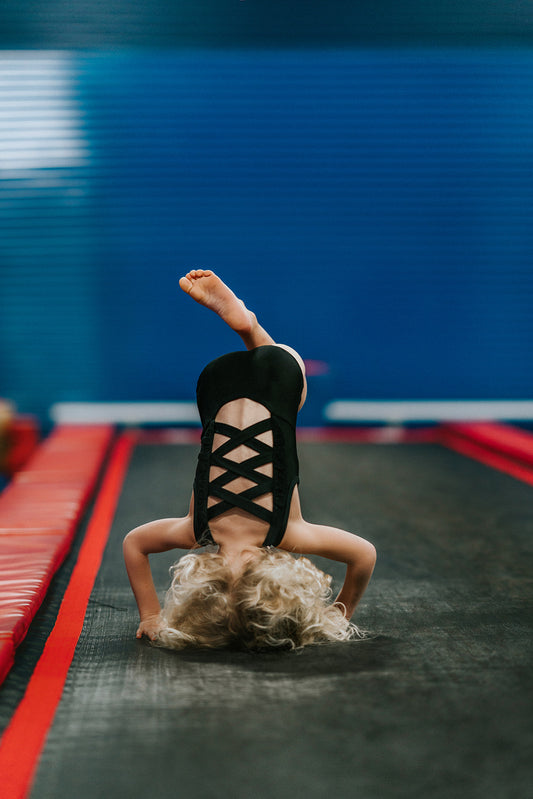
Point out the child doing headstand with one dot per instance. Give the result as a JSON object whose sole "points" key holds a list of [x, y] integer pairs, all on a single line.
{"points": [[246, 588]]}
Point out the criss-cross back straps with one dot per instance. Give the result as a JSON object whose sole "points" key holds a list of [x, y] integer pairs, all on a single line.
{"points": [[246, 468]]}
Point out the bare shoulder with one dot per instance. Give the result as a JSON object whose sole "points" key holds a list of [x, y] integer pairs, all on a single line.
{"points": [[162, 535], [328, 542]]}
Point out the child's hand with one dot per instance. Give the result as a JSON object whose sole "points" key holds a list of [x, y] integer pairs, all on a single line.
{"points": [[150, 626]]}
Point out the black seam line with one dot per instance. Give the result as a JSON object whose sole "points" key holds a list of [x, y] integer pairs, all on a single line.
{"points": [[245, 469], [250, 464], [251, 443], [250, 507], [248, 493], [264, 485], [236, 437], [252, 430]]}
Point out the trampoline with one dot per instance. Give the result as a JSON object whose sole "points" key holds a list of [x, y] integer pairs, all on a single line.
{"points": [[435, 702]]}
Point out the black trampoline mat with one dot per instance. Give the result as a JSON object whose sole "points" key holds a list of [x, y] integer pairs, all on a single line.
{"points": [[437, 702]]}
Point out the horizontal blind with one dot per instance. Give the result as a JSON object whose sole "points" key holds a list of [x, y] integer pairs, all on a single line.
{"points": [[374, 206]]}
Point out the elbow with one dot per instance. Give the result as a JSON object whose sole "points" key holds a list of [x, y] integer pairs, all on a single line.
{"points": [[136, 543], [367, 558], [129, 543]]}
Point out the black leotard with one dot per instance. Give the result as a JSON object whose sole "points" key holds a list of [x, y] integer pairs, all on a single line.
{"points": [[272, 377]]}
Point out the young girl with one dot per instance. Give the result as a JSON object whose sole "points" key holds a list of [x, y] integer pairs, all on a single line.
{"points": [[246, 588]]}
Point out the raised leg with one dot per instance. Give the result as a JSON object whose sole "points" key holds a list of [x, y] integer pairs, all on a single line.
{"points": [[209, 290]]}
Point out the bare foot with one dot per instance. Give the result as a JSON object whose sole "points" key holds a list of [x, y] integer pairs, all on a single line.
{"points": [[209, 290]]}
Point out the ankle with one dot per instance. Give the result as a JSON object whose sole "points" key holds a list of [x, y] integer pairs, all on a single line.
{"points": [[254, 324]]}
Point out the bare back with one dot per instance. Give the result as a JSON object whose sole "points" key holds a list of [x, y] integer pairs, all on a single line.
{"points": [[248, 465], [237, 523]]}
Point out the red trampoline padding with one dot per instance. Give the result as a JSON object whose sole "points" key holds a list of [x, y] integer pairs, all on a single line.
{"points": [[14, 622], [39, 516], [24, 738], [29, 544], [502, 438], [7, 656], [63, 458], [50, 477], [61, 527], [21, 493], [23, 441], [27, 566], [61, 450], [499, 446]]}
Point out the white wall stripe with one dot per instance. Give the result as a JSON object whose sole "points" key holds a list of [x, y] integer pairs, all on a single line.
{"points": [[338, 411], [428, 411], [124, 413]]}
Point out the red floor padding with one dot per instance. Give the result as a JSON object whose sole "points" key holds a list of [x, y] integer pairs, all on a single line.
{"points": [[39, 513], [7, 655], [21, 439], [497, 445], [25, 735], [502, 438]]}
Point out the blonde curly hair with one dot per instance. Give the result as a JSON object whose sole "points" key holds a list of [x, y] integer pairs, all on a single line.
{"points": [[278, 601]]}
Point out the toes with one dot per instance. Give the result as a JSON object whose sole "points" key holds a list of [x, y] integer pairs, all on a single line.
{"points": [[196, 273], [186, 283]]}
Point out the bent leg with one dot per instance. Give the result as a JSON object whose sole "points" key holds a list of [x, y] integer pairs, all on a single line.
{"points": [[299, 359], [209, 290]]}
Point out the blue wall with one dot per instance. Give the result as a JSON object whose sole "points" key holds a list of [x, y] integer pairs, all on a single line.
{"points": [[373, 206]]}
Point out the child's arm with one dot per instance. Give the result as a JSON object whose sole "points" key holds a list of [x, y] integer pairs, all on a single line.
{"points": [[328, 542], [158, 536], [357, 577]]}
